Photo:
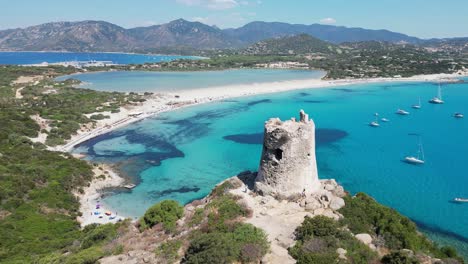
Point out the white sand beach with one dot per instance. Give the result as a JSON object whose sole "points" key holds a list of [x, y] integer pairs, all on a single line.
{"points": [[159, 103], [92, 210]]}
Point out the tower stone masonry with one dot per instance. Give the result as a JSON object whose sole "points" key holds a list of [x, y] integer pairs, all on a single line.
{"points": [[288, 165]]}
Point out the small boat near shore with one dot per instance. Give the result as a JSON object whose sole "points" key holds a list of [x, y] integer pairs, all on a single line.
{"points": [[129, 186], [458, 115], [460, 200]]}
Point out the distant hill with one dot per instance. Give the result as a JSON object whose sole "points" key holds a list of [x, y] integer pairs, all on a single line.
{"points": [[180, 35], [68, 36], [256, 31], [104, 36], [183, 33], [299, 44]]}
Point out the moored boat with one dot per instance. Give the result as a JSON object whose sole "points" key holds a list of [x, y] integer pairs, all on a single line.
{"points": [[419, 159], [417, 106], [402, 112], [461, 200], [130, 186], [374, 124], [458, 115], [437, 99]]}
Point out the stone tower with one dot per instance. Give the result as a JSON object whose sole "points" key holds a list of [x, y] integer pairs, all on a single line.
{"points": [[288, 165]]}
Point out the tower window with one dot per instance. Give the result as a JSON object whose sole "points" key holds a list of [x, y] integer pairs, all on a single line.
{"points": [[278, 154]]}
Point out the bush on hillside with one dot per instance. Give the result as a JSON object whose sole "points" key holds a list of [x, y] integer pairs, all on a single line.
{"points": [[245, 243], [166, 212], [319, 237]]}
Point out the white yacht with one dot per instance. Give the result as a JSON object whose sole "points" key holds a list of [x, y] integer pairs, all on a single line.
{"points": [[417, 106], [375, 123], [385, 119], [458, 115], [419, 159], [438, 98], [461, 200], [402, 112]]}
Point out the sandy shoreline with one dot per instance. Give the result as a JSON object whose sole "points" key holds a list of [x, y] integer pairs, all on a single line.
{"points": [[160, 103], [93, 211]]}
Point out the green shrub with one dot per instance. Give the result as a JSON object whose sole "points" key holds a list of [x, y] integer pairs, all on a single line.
{"points": [[252, 241], [398, 257], [197, 217], [99, 117], [87, 256], [97, 233], [222, 209], [169, 250], [319, 237], [362, 214], [227, 207], [212, 248], [166, 212], [245, 243], [318, 226]]}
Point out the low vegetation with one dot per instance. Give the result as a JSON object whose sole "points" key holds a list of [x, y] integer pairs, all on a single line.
{"points": [[38, 210], [222, 238], [319, 238], [165, 213], [362, 214]]}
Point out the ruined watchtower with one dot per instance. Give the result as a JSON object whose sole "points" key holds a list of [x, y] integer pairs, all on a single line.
{"points": [[288, 165]]}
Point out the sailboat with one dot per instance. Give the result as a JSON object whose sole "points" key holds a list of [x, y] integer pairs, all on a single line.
{"points": [[419, 159], [438, 98], [375, 123], [417, 106]]}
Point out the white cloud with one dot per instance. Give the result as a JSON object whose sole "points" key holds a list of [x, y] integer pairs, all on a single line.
{"points": [[211, 4], [231, 19], [328, 20]]}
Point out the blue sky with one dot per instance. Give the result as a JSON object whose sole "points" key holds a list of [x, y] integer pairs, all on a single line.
{"points": [[421, 18]]}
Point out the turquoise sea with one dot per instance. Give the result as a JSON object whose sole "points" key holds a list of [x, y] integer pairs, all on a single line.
{"points": [[141, 81], [20, 58], [182, 154]]}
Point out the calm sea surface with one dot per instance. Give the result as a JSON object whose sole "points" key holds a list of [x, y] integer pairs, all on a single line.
{"points": [[182, 154], [20, 58]]}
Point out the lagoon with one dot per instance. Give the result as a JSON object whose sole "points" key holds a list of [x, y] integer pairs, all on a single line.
{"points": [[141, 81], [24, 58]]}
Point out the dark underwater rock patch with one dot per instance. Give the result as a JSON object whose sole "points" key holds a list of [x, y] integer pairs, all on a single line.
{"points": [[315, 101], [258, 102], [183, 189], [323, 136]]}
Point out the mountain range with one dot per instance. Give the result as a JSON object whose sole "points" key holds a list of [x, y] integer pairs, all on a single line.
{"points": [[103, 36]]}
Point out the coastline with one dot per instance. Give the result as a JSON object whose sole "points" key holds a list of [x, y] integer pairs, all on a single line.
{"points": [[104, 177], [164, 102], [159, 103]]}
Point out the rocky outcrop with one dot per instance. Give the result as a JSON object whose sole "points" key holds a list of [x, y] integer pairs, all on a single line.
{"points": [[288, 166]]}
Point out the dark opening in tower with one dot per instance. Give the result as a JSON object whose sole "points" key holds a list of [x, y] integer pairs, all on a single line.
{"points": [[278, 154]]}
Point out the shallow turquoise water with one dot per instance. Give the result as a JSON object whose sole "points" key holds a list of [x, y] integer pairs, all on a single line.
{"points": [[141, 81], [182, 154]]}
